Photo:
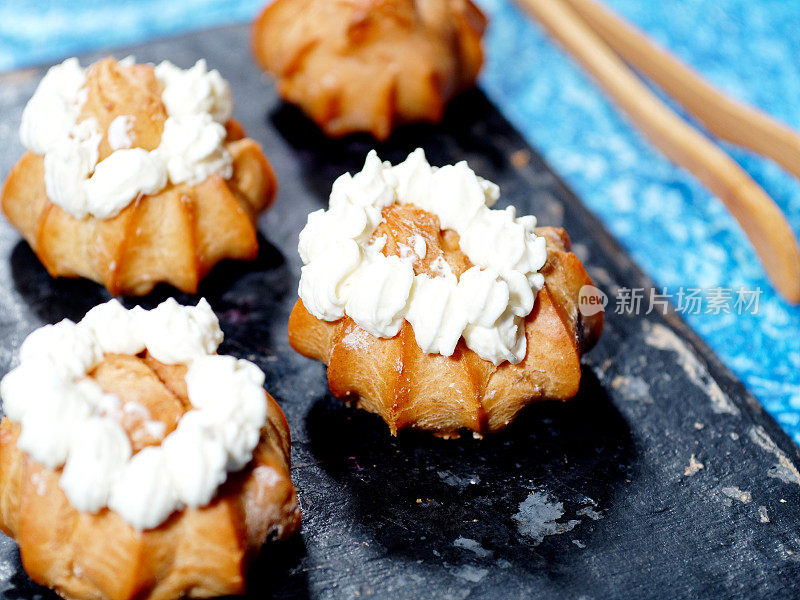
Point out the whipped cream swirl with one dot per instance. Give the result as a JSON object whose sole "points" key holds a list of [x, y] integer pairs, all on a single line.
{"points": [[66, 419], [198, 103], [345, 272]]}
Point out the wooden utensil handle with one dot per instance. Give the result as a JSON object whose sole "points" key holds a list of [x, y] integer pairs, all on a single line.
{"points": [[759, 216], [723, 116]]}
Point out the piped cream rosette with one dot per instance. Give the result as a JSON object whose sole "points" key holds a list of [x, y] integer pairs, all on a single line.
{"points": [[345, 272], [198, 104], [68, 421]]}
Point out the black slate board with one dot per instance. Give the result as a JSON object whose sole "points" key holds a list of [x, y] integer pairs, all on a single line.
{"points": [[419, 517]]}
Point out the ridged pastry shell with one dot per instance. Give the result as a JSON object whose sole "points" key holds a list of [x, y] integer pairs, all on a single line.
{"points": [[197, 553], [174, 236], [367, 65], [408, 388]]}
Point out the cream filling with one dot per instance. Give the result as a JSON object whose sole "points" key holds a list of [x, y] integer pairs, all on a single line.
{"points": [[198, 103], [67, 420], [346, 274], [119, 132]]}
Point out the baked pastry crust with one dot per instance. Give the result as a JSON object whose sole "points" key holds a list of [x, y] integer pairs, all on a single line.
{"points": [[368, 65], [197, 553], [174, 236], [408, 388]]}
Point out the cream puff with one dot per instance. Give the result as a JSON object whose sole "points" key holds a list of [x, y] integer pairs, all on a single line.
{"points": [[136, 174], [135, 462], [433, 310]]}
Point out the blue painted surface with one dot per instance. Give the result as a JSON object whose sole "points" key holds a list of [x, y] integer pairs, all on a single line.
{"points": [[38, 31], [679, 233], [675, 229]]}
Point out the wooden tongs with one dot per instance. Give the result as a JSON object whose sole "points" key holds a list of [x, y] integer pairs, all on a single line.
{"points": [[603, 42]]}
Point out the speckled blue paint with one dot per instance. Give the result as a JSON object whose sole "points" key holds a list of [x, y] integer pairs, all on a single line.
{"points": [[677, 231], [38, 31], [672, 226]]}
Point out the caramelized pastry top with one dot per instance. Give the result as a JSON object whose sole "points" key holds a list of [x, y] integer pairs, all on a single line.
{"points": [[367, 65], [117, 130], [460, 269], [137, 408]]}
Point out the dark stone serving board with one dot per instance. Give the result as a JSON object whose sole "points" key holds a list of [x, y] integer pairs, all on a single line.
{"points": [[419, 517]]}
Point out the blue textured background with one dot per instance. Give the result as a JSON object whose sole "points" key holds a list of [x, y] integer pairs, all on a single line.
{"points": [[672, 226]]}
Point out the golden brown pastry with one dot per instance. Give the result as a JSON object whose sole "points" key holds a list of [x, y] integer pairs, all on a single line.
{"points": [[391, 375], [369, 65], [91, 205], [199, 551]]}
